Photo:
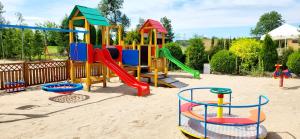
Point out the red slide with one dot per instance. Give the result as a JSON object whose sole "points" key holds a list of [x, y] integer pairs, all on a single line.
{"points": [[103, 56]]}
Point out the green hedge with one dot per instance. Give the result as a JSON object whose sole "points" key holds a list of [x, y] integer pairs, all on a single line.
{"points": [[195, 53], [293, 62], [223, 61]]}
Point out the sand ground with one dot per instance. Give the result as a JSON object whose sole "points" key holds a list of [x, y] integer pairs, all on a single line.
{"points": [[114, 112]]}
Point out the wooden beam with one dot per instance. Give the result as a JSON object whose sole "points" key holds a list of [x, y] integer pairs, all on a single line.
{"points": [[78, 18]]}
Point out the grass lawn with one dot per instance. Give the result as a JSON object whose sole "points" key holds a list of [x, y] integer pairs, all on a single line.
{"points": [[53, 54]]}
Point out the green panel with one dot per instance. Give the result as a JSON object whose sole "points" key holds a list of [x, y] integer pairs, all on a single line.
{"points": [[88, 10], [93, 16], [98, 22], [96, 17]]}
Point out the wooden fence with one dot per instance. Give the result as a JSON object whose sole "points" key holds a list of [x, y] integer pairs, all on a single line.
{"points": [[34, 73]]}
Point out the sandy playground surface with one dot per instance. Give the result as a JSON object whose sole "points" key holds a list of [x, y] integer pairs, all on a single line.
{"points": [[113, 112]]}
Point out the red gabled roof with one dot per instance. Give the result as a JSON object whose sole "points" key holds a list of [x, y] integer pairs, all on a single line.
{"points": [[155, 24]]}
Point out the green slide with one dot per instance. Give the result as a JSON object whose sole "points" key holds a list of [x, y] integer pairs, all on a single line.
{"points": [[169, 56]]}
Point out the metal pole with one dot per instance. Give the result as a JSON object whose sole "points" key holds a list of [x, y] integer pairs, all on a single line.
{"points": [[179, 112], [258, 118]]}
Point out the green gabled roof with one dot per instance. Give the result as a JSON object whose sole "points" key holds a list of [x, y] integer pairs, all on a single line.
{"points": [[93, 16]]}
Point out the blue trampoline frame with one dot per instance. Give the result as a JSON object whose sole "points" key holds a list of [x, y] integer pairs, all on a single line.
{"points": [[51, 87], [206, 105]]}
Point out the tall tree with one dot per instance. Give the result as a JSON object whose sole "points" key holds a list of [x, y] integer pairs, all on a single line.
{"points": [[2, 19], [38, 44], [167, 24], [62, 39], [111, 10], [20, 18], [49, 35], [141, 23], [269, 53], [267, 22]]}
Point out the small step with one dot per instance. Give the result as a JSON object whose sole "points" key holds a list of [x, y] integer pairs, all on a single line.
{"points": [[179, 84], [169, 80]]}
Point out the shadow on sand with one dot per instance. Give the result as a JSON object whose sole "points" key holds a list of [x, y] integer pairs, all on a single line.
{"points": [[32, 116]]}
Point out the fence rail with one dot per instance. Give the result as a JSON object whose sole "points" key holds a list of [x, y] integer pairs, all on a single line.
{"points": [[34, 73]]}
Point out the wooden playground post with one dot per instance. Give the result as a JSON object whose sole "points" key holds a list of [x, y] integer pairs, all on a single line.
{"points": [[150, 50], [156, 58], [88, 65], [165, 59], [119, 34], [71, 40], [104, 69], [139, 66]]}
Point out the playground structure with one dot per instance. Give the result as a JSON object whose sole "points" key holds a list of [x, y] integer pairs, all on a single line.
{"points": [[107, 56], [206, 123], [148, 61], [281, 72], [155, 57]]}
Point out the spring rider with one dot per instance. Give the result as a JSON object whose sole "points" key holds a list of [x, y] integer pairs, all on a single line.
{"points": [[281, 72]]}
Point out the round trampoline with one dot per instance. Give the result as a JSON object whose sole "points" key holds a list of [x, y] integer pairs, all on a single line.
{"points": [[196, 118], [62, 88]]}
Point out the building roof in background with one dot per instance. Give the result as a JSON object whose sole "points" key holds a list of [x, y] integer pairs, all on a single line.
{"points": [[285, 31], [93, 16], [155, 24]]}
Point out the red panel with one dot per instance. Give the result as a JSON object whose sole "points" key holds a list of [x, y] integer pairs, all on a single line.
{"points": [[90, 52], [231, 120], [119, 47]]}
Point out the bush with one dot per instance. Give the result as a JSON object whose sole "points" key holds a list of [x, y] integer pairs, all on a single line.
{"points": [[285, 54], [293, 62], [176, 52], [269, 54], [248, 51], [195, 54], [223, 62]]}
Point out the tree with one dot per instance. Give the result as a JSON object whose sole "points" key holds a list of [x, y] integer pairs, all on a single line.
{"points": [[20, 19], [141, 23], [167, 24], [269, 53], [111, 10], [195, 53], [131, 36], [2, 20], [248, 51], [28, 44], [267, 22], [38, 44], [49, 35], [62, 39]]}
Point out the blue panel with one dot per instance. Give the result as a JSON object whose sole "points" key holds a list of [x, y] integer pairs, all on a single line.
{"points": [[78, 51], [130, 57]]}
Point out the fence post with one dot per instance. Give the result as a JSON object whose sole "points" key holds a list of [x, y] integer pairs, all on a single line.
{"points": [[25, 73], [67, 69]]}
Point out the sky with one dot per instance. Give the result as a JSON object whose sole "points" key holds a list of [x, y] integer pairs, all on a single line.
{"points": [[220, 18]]}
